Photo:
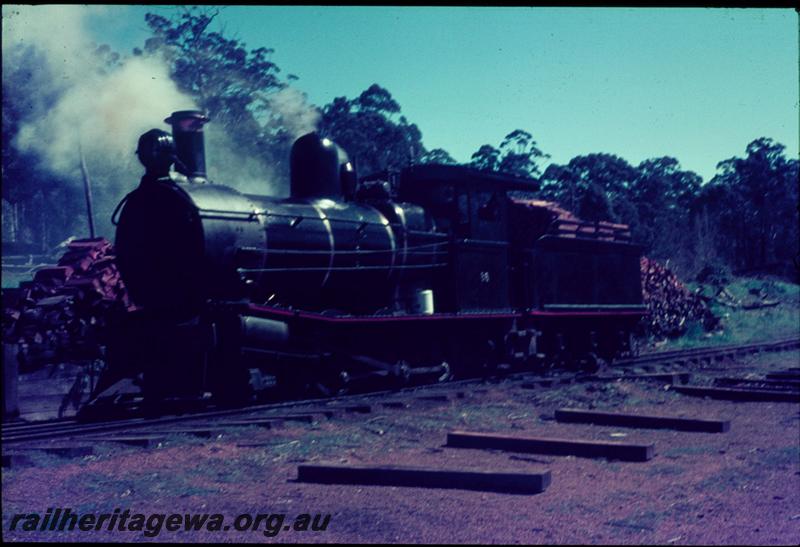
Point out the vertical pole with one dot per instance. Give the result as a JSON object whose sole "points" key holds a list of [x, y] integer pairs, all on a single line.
{"points": [[42, 216], [87, 189], [10, 379], [14, 221]]}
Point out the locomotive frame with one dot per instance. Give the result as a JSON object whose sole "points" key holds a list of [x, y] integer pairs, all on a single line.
{"points": [[434, 272]]}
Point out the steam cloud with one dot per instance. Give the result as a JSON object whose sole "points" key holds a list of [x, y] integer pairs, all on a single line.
{"points": [[298, 116], [105, 113], [104, 110], [250, 174], [227, 165]]}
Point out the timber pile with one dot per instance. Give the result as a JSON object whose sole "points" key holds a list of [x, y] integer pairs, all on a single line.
{"points": [[566, 224], [758, 299], [61, 314], [553, 209], [535, 217], [670, 305]]}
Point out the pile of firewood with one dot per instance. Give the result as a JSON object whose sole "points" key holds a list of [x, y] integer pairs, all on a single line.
{"points": [[60, 315], [670, 305], [758, 298]]}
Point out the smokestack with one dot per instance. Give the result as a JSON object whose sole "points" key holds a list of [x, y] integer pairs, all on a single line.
{"points": [[187, 131]]}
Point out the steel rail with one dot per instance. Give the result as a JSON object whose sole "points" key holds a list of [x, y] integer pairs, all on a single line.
{"points": [[53, 429]]}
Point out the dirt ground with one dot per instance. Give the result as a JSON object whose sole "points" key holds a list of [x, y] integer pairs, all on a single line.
{"points": [[739, 487]]}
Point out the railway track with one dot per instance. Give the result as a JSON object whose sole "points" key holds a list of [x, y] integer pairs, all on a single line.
{"points": [[660, 366], [710, 354]]}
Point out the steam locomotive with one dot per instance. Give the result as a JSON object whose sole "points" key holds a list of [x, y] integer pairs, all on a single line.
{"points": [[433, 272]]}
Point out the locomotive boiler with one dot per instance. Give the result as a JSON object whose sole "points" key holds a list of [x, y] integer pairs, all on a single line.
{"points": [[424, 274]]}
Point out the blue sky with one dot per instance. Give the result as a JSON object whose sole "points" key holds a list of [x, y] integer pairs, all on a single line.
{"points": [[698, 84]]}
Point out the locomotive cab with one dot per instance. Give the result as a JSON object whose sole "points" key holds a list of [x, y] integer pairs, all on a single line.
{"points": [[473, 207]]}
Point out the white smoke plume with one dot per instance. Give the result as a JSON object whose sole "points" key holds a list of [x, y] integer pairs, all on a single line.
{"points": [[297, 115], [58, 31], [289, 108], [106, 115], [226, 164], [103, 112], [103, 109], [265, 174]]}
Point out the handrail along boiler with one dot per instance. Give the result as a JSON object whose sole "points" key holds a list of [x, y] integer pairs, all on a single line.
{"points": [[435, 271]]}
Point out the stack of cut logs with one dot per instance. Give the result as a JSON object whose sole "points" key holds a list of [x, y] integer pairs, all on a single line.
{"points": [[61, 313], [670, 305]]}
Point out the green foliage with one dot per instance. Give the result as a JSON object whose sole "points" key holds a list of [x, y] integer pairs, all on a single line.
{"points": [[438, 155], [487, 158], [597, 185], [746, 218], [714, 274], [235, 85], [227, 80], [755, 201], [372, 131], [594, 204], [518, 155], [662, 194]]}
